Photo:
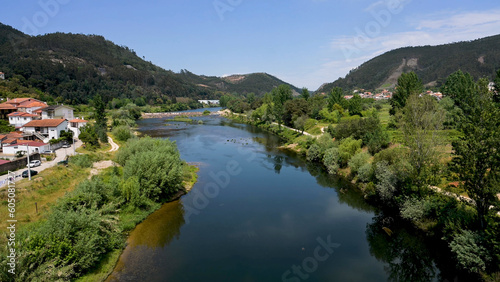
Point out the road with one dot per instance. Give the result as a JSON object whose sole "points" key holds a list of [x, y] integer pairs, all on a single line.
{"points": [[61, 154]]}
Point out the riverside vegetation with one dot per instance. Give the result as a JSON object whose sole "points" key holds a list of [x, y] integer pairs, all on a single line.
{"points": [[85, 230], [399, 160]]}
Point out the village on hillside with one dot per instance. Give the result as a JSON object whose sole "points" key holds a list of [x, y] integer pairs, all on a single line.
{"points": [[35, 125]]}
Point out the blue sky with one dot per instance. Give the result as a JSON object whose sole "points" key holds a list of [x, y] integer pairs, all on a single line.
{"points": [[304, 42]]}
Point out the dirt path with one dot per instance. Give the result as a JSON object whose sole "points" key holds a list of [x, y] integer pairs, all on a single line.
{"points": [[98, 166], [114, 146]]}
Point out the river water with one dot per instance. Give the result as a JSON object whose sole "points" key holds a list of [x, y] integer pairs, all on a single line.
{"points": [[260, 214]]}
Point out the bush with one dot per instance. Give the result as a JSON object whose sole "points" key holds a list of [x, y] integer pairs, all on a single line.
{"points": [[348, 148], [358, 160], [157, 165], [83, 161], [206, 112], [331, 160], [386, 180], [471, 256], [367, 129], [122, 133], [365, 172], [314, 153]]}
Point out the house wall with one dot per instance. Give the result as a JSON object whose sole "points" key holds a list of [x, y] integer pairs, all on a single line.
{"points": [[12, 150], [19, 121], [76, 129], [55, 133], [64, 112]]}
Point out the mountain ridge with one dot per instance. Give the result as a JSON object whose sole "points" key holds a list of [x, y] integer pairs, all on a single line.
{"points": [[433, 64]]}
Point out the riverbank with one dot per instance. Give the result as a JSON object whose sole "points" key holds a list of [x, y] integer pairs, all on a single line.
{"points": [[102, 209], [385, 181]]}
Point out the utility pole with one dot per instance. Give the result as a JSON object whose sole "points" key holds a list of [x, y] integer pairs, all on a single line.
{"points": [[29, 166]]}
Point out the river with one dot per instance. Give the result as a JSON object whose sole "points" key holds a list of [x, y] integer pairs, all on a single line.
{"points": [[260, 214]]}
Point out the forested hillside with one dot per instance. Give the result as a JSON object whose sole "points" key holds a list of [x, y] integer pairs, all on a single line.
{"points": [[433, 64], [72, 68]]}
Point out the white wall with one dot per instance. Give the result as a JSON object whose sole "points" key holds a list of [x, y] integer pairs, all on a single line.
{"points": [[12, 150]]}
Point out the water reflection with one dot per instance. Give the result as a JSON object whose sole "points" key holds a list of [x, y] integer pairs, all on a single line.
{"points": [[406, 258]]}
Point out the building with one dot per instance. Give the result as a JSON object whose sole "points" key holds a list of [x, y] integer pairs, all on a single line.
{"points": [[209, 102], [57, 112], [32, 146], [75, 125], [31, 106], [46, 129], [6, 109], [18, 119], [2, 75]]}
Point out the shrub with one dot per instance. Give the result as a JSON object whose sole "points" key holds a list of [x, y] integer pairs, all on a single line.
{"points": [[83, 161], [358, 160], [365, 172], [206, 112], [386, 180], [314, 153], [348, 148], [331, 160], [123, 133], [157, 165], [469, 253]]}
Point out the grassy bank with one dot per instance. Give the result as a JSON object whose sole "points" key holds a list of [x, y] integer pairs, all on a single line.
{"points": [[81, 224]]}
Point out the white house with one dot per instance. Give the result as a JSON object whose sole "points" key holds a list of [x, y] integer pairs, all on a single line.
{"points": [[57, 111], [18, 119], [2, 75], [31, 107], [75, 125], [47, 128], [33, 147]]}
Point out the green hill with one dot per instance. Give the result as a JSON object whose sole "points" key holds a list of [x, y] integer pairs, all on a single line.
{"points": [[72, 68], [258, 83], [433, 64]]}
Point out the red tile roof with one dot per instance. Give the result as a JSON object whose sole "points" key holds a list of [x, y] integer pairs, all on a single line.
{"points": [[5, 106], [33, 104], [3, 161], [9, 141], [78, 120], [21, 114], [30, 143], [45, 123]]}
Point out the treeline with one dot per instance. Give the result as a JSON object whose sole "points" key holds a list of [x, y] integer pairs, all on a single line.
{"points": [[89, 222], [403, 176]]}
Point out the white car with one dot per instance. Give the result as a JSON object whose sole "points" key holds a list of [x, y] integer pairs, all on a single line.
{"points": [[34, 163]]}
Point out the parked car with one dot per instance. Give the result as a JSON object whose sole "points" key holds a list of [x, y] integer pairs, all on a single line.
{"points": [[33, 173], [48, 152], [34, 163], [66, 146]]}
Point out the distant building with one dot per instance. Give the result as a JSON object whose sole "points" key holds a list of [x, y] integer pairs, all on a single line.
{"points": [[2, 75], [75, 125], [57, 112], [209, 102]]}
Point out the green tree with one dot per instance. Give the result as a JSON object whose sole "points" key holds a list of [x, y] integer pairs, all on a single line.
{"points": [[408, 84], [336, 96], [100, 118], [355, 106], [420, 122], [305, 93], [250, 98], [476, 156], [280, 95], [5, 127], [89, 136]]}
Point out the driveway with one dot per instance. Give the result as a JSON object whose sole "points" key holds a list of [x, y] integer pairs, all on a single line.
{"points": [[61, 154]]}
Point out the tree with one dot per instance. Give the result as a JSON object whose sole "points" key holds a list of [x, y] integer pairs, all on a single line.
{"points": [[355, 105], [305, 93], [5, 127], [408, 84], [89, 136], [250, 98], [294, 109], [100, 118], [420, 121], [280, 96], [336, 96], [476, 156]]}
